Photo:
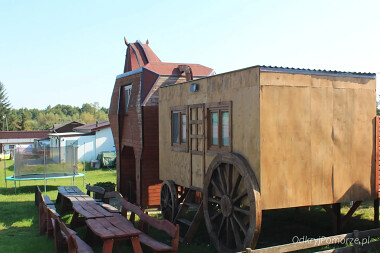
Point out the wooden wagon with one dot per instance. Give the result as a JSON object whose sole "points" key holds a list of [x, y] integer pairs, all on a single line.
{"points": [[265, 138]]}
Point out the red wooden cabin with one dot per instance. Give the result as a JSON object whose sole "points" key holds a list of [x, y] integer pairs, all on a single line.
{"points": [[133, 116]]}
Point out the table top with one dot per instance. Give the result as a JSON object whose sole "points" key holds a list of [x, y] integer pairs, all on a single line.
{"points": [[74, 194], [69, 189], [112, 227], [91, 210]]}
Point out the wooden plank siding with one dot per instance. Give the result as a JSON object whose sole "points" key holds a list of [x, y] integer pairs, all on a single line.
{"points": [[308, 138]]}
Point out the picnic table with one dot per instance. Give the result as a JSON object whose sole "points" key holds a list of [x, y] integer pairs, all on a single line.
{"points": [[89, 210], [71, 194], [114, 228]]}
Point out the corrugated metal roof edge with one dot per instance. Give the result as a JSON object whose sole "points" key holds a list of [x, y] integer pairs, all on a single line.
{"points": [[293, 71]]}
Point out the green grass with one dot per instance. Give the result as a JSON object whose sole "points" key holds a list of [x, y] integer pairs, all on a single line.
{"points": [[19, 218]]}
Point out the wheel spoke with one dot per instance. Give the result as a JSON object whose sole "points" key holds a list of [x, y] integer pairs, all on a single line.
{"points": [[229, 178], [213, 200], [228, 232], [222, 179], [221, 226], [241, 210], [215, 216], [242, 195], [240, 224], [236, 186], [216, 186], [236, 234]]}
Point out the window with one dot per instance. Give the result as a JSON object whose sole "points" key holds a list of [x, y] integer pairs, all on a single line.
{"points": [[219, 126], [179, 128], [127, 94]]}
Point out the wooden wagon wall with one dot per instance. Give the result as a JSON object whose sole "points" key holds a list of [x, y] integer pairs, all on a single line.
{"points": [[317, 139], [310, 139], [240, 87]]}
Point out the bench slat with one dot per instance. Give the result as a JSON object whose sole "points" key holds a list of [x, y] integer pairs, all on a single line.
{"points": [[82, 246], [154, 244]]}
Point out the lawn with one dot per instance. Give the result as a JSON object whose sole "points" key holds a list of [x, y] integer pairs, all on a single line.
{"points": [[19, 218]]}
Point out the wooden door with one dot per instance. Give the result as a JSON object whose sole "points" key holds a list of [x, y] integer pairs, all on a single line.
{"points": [[197, 144]]}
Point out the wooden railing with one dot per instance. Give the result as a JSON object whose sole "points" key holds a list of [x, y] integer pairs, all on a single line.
{"points": [[360, 240]]}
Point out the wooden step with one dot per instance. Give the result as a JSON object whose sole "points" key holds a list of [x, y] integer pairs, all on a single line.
{"points": [[184, 221], [191, 205]]}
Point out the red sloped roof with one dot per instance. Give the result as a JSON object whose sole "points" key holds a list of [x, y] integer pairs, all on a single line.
{"points": [[24, 134], [164, 68], [92, 127], [138, 55]]}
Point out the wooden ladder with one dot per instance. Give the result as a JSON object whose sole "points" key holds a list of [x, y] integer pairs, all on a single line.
{"points": [[192, 225]]}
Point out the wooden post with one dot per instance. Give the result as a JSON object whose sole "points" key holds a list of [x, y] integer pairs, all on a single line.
{"points": [[376, 212], [336, 218]]}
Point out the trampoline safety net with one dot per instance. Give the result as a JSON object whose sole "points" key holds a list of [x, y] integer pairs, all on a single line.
{"points": [[44, 162]]}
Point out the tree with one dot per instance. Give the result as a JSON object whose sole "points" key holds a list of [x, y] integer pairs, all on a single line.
{"points": [[5, 105]]}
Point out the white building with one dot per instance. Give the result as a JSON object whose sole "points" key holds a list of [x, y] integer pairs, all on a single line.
{"points": [[90, 140]]}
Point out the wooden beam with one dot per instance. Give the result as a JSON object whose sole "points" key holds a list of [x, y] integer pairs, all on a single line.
{"points": [[376, 212], [349, 214], [334, 211]]}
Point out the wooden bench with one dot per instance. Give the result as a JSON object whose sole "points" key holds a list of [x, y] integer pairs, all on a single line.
{"points": [[145, 221], [44, 203], [38, 197], [95, 190], [73, 241], [106, 204]]}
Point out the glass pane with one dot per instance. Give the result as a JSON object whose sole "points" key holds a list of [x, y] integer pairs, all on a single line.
{"points": [[127, 93], [225, 129], [183, 133], [175, 129], [214, 128]]}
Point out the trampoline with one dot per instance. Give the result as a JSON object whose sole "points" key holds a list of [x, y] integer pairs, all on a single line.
{"points": [[44, 163], [42, 176]]}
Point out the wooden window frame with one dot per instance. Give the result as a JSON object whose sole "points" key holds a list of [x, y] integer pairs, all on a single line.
{"points": [[218, 107], [181, 146]]}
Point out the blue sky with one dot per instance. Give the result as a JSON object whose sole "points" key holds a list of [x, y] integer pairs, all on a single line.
{"points": [[69, 52]]}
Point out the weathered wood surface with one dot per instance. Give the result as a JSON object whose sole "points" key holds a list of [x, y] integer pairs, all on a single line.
{"points": [[308, 138], [74, 243], [71, 194], [162, 225], [114, 228], [317, 137], [91, 210], [95, 190]]}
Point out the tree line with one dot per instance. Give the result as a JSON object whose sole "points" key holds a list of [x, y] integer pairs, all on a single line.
{"points": [[42, 119]]}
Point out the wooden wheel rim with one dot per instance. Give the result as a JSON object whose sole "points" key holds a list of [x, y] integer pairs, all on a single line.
{"points": [[228, 204], [168, 200]]}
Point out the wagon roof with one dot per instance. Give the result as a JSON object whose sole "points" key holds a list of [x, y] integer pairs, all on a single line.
{"points": [[303, 71]]}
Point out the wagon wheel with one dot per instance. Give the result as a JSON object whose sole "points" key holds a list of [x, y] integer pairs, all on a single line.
{"points": [[169, 202], [231, 203]]}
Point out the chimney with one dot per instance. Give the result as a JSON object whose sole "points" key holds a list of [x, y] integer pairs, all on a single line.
{"points": [[187, 70]]}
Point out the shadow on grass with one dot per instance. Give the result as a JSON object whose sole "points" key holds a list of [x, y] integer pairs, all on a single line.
{"points": [[289, 225], [10, 190], [14, 214]]}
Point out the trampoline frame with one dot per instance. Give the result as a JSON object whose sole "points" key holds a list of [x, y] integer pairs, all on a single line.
{"points": [[42, 177]]}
